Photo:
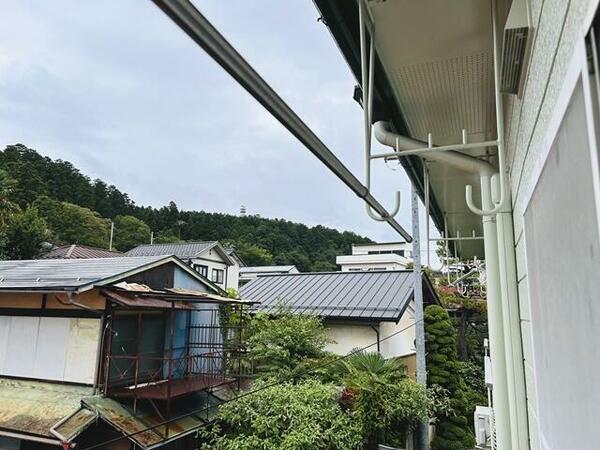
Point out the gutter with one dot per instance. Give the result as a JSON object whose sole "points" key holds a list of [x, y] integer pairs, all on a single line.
{"points": [[28, 437], [71, 302]]}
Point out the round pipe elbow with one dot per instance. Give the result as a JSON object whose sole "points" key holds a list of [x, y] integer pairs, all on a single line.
{"points": [[461, 161]]}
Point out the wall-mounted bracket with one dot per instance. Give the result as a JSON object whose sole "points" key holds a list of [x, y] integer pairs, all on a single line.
{"points": [[367, 76]]}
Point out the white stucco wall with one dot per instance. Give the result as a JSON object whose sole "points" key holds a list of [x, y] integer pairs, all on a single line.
{"points": [[233, 275], [349, 337], [403, 343], [558, 26], [214, 261]]}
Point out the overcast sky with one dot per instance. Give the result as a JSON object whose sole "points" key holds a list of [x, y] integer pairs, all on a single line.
{"points": [[117, 89]]}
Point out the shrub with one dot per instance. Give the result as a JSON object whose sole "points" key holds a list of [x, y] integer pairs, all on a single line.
{"points": [[285, 417], [386, 402], [285, 344]]}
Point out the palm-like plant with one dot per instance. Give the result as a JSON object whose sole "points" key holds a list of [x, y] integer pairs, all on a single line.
{"points": [[361, 369]]}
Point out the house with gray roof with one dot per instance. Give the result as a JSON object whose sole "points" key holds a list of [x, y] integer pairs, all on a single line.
{"points": [[77, 251], [358, 308], [208, 258], [97, 347]]}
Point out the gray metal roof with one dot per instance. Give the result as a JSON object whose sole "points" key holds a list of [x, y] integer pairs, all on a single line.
{"points": [[79, 251], [376, 295], [67, 273], [183, 250]]}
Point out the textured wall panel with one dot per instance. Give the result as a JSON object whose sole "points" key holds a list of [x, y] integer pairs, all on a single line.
{"points": [[562, 276]]}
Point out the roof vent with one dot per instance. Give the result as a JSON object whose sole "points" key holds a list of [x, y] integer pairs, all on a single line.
{"points": [[515, 41]]}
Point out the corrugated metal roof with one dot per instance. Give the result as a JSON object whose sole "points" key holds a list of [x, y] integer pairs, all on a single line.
{"points": [[66, 273], [345, 295], [79, 252], [183, 250], [72, 426], [33, 407], [137, 425], [131, 293]]}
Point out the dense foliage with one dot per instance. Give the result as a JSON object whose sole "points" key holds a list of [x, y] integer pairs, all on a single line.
{"points": [[258, 240], [443, 369], [365, 398], [469, 316], [24, 233], [284, 344], [285, 417], [73, 224], [386, 403]]}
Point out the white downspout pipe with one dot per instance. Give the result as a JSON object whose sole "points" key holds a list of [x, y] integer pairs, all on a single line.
{"points": [[485, 171], [512, 324]]}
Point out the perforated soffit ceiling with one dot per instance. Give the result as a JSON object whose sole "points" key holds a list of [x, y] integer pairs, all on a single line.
{"points": [[438, 58]]}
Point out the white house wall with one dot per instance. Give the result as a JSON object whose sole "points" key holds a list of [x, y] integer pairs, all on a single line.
{"points": [[214, 261], [559, 25], [349, 337], [402, 340], [233, 275], [82, 350], [49, 348]]}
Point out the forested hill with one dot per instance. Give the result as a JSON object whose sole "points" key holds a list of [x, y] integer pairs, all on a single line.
{"points": [[39, 195]]}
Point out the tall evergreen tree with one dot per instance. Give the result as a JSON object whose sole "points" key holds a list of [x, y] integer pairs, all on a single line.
{"points": [[443, 369]]}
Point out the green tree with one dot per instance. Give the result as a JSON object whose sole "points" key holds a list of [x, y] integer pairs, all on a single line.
{"points": [[130, 232], [286, 343], [443, 369], [7, 206], [386, 402], [165, 237], [25, 232], [251, 254], [72, 224], [285, 417], [323, 266]]}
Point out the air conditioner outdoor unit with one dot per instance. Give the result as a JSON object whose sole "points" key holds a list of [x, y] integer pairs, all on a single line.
{"points": [[515, 47], [483, 427]]}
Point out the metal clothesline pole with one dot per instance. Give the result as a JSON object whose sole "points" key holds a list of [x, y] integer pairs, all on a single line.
{"points": [[197, 27]]}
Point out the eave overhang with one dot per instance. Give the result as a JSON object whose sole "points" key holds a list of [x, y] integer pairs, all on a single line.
{"points": [[341, 17]]}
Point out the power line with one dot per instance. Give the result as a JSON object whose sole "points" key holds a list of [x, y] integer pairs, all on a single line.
{"points": [[246, 394]]}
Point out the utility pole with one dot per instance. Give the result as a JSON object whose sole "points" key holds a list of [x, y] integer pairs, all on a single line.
{"points": [[112, 231], [423, 440]]}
